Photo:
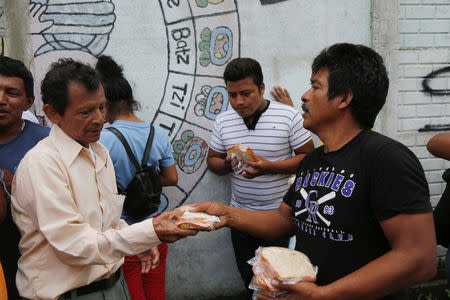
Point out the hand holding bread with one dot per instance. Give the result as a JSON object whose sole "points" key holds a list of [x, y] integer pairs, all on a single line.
{"points": [[273, 265], [197, 220], [240, 156], [214, 213], [167, 231]]}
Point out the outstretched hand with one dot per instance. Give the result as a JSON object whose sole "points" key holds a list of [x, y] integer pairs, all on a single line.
{"points": [[282, 95], [167, 231], [212, 208], [301, 290]]}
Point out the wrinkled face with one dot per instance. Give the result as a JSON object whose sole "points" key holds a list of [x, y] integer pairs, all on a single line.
{"points": [[13, 101], [244, 96], [319, 111], [84, 115]]}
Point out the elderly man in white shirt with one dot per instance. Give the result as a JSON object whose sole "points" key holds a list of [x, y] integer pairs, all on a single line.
{"points": [[65, 200]]}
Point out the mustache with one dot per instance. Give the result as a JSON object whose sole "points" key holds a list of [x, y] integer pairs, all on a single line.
{"points": [[305, 108]]}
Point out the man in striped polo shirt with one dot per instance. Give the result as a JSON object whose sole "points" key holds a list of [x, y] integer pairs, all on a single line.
{"points": [[275, 133]]}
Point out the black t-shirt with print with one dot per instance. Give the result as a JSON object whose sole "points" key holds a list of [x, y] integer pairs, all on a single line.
{"points": [[339, 198]]}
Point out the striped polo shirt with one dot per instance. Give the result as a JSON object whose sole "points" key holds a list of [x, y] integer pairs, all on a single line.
{"points": [[278, 132]]}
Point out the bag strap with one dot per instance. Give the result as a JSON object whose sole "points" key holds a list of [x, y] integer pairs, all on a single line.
{"points": [[148, 146], [125, 144]]}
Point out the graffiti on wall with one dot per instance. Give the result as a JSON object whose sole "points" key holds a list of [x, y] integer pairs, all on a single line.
{"points": [[427, 89], [427, 80], [265, 2], [202, 37]]}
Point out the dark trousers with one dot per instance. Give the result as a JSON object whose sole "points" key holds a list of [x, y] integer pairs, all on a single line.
{"points": [[117, 291], [244, 249]]}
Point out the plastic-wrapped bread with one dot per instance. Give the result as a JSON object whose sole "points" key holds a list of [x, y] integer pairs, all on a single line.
{"points": [[240, 155], [282, 264], [197, 220], [244, 153]]}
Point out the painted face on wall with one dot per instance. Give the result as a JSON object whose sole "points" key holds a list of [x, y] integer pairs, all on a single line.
{"points": [[84, 115], [245, 97], [319, 111], [13, 101]]}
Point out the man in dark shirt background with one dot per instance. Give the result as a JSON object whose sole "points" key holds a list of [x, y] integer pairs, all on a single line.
{"points": [[359, 205], [17, 136]]}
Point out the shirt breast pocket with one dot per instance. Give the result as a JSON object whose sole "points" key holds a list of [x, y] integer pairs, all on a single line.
{"points": [[113, 209]]}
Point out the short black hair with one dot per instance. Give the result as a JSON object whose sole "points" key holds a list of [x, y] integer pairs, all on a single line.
{"points": [[55, 86], [11, 67], [358, 69], [241, 68], [118, 91]]}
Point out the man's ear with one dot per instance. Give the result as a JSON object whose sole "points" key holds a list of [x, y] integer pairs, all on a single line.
{"points": [[30, 101], [262, 88], [52, 114], [346, 99]]}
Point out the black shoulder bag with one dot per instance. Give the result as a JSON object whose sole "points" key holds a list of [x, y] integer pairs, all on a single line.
{"points": [[142, 195], [441, 214]]}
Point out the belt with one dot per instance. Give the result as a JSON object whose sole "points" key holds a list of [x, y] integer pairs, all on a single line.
{"points": [[96, 285]]}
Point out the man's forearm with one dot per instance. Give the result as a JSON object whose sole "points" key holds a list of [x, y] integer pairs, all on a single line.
{"points": [[287, 166], [391, 272], [270, 224], [218, 166], [411, 260]]}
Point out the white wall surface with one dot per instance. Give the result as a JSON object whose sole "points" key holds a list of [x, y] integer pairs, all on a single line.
{"points": [[424, 36]]}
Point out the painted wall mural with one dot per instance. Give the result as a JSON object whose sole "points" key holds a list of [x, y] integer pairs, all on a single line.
{"points": [[202, 36], [73, 28]]}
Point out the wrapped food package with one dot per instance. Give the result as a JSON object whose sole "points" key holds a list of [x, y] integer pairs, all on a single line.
{"points": [[241, 155], [197, 220], [284, 265]]}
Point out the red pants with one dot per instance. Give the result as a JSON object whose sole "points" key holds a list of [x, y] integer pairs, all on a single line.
{"points": [[146, 286]]}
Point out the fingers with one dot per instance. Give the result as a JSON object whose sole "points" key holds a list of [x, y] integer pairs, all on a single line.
{"points": [[246, 175], [251, 173], [309, 279], [282, 287], [145, 259], [167, 231], [277, 93], [145, 266], [40, 11], [179, 211], [202, 207], [213, 208], [155, 257], [274, 95], [282, 95], [261, 297], [155, 263]]}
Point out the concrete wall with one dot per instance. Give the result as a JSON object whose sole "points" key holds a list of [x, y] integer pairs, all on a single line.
{"points": [[424, 36], [174, 53], [424, 84]]}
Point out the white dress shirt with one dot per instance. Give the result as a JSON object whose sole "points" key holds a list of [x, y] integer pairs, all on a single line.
{"points": [[68, 212]]}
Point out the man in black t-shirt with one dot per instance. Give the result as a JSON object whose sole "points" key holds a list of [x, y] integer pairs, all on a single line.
{"points": [[359, 205]]}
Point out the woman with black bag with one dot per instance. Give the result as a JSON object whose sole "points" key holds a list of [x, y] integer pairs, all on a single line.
{"points": [[439, 146], [120, 108]]}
